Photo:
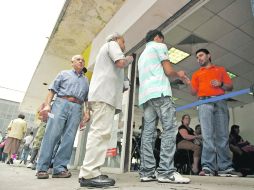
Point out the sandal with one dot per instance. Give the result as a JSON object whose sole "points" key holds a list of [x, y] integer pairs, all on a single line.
{"points": [[63, 174], [42, 175]]}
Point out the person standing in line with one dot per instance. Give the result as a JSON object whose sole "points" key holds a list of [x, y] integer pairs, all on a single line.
{"points": [[27, 147], [16, 131], [38, 137], [211, 81], [70, 88], [1, 136], [155, 97], [37, 144], [2, 144], [105, 99]]}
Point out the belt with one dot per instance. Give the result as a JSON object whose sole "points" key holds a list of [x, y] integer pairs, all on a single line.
{"points": [[71, 99], [205, 97]]}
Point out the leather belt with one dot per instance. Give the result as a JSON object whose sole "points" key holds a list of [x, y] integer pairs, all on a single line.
{"points": [[205, 97], [71, 99]]}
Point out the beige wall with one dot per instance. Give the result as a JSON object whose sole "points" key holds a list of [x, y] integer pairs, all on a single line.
{"points": [[244, 117]]}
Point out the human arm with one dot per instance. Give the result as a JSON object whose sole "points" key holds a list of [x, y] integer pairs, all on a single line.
{"points": [[9, 126], [168, 69], [225, 83], [220, 84], [243, 143], [47, 105], [117, 55], [25, 129], [162, 53], [122, 63], [53, 89], [193, 85], [235, 149], [184, 133], [86, 116]]}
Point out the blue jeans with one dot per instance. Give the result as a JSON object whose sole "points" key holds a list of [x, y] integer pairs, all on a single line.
{"points": [[214, 120], [164, 109], [25, 153], [63, 125]]}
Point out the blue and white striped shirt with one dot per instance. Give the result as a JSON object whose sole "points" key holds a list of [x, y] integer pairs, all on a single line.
{"points": [[153, 81]]}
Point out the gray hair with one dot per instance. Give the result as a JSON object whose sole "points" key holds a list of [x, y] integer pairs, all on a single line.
{"points": [[113, 37], [75, 57]]}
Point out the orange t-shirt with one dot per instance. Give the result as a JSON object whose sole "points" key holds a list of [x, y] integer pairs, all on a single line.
{"points": [[201, 80]]}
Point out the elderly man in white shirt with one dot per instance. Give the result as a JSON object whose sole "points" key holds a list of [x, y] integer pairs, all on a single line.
{"points": [[105, 99]]}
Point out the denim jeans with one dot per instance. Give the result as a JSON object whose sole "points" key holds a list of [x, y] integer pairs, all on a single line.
{"points": [[163, 108], [25, 154], [214, 120], [34, 155], [62, 125]]}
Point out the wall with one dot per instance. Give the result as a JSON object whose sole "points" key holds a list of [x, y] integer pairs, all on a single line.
{"points": [[244, 117], [9, 110]]}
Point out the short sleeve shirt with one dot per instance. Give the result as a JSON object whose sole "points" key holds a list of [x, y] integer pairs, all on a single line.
{"points": [[107, 80], [28, 139], [201, 80], [153, 81], [70, 83]]}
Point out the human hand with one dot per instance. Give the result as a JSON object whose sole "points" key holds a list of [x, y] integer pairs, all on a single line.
{"points": [[43, 113], [187, 81], [86, 116], [199, 136], [182, 75], [129, 59], [85, 119]]}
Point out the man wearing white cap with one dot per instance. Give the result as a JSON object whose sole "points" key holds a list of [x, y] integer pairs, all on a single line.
{"points": [[105, 99]]}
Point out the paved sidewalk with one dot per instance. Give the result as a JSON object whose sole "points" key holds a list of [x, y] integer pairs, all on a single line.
{"points": [[18, 177]]}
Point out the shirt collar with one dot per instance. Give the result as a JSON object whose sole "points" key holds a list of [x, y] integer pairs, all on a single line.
{"points": [[204, 68], [78, 74], [149, 43]]}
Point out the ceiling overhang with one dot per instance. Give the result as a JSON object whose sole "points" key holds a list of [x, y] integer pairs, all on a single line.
{"points": [[78, 24], [88, 22]]}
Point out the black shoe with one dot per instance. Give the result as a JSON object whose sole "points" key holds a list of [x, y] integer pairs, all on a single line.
{"points": [[10, 161], [80, 179], [99, 181]]}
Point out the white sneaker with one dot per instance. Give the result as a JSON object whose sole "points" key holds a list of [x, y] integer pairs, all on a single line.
{"points": [[147, 179], [30, 165], [174, 178], [229, 173]]}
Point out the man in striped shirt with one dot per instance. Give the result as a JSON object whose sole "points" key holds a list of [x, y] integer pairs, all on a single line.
{"points": [[155, 97]]}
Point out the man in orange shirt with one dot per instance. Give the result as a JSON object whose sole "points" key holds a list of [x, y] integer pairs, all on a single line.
{"points": [[210, 81]]}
